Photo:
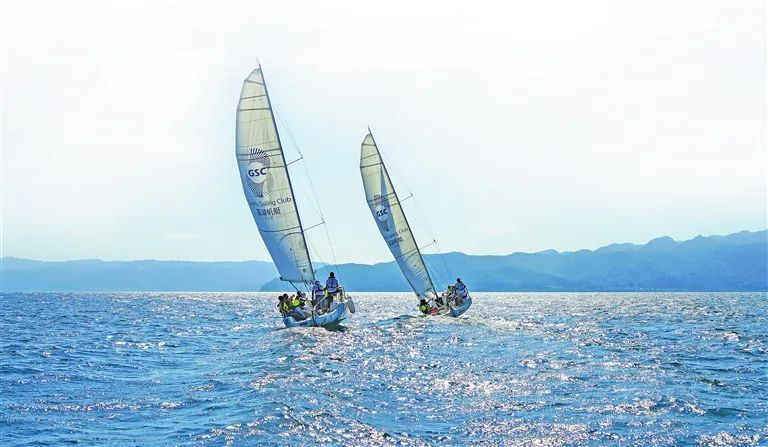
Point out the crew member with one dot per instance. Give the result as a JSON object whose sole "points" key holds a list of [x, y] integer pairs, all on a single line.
{"points": [[424, 306], [295, 301], [450, 294], [285, 304], [332, 284], [461, 291], [297, 309], [300, 297], [317, 293]]}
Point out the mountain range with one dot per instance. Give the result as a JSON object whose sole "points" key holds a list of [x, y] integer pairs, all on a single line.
{"points": [[736, 262]]}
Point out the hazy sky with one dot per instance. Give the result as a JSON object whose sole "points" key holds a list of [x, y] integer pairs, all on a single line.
{"points": [[518, 126]]}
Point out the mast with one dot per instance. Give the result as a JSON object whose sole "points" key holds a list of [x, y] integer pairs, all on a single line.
{"points": [[405, 218], [266, 182], [287, 171]]}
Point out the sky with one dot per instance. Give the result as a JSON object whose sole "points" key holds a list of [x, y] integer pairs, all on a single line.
{"points": [[517, 126]]}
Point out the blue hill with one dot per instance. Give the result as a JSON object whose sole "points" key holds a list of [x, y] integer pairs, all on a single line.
{"points": [[150, 275], [736, 262]]}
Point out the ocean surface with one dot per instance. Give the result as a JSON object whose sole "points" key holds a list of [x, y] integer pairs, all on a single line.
{"points": [[541, 369]]}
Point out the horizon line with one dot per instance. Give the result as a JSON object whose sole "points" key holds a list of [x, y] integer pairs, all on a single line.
{"points": [[549, 250]]}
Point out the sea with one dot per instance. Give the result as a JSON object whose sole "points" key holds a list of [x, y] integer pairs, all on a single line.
{"points": [[527, 369]]}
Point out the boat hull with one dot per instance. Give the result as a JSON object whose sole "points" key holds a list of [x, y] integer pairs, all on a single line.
{"points": [[457, 311], [328, 319]]}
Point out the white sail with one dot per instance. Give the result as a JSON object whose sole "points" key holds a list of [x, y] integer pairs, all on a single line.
{"points": [[389, 217], [266, 183]]}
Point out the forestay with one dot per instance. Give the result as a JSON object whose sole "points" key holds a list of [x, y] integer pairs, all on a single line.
{"points": [[390, 218], [266, 183]]}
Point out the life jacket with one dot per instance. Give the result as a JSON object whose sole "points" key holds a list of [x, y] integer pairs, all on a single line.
{"points": [[295, 303], [332, 284], [424, 308], [460, 288], [286, 306]]}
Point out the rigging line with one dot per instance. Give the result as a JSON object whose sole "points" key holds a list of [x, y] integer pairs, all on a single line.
{"points": [[294, 161], [313, 226], [273, 127], [431, 266], [429, 230], [393, 168], [413, 250], [445, 264], [323, 261], [313, 200], [305, 197], [428, 245], [322, 217], [400, 179], [292, 137], [438, 272], [423, 218], [333, 254], [319, 208], [317, 254]]}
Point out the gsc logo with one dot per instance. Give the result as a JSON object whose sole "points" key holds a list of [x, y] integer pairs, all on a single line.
{"points": [[257, 172], [382, 213]]}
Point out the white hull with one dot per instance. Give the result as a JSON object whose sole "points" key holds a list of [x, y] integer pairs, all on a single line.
{"points": [[327, 319]]}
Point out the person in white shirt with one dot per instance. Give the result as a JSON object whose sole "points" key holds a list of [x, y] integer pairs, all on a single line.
{"points": [[319, 302]]}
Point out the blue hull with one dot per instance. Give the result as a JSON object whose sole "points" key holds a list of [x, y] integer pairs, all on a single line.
{"points": [[329, 319], [457, 311]]}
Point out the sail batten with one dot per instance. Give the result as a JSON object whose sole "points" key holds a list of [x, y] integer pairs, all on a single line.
{"points": [[390, 195], [389, 216], [267, 184]]}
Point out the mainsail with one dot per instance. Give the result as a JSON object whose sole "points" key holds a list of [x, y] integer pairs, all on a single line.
{"points": [[390, 218], [266, 183]]}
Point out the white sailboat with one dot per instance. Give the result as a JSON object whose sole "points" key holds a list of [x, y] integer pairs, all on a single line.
{"points": [[269, 193], [389, 216]]}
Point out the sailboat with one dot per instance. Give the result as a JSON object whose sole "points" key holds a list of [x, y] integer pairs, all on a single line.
{"points": [[269, 193], [389, 216]]}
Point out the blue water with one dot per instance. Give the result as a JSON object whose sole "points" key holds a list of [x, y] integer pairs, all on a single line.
{"points": [[517, 369]]}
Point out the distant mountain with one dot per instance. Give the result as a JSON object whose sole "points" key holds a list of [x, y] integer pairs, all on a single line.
{"points": [[95, 275], [736, 262]]}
